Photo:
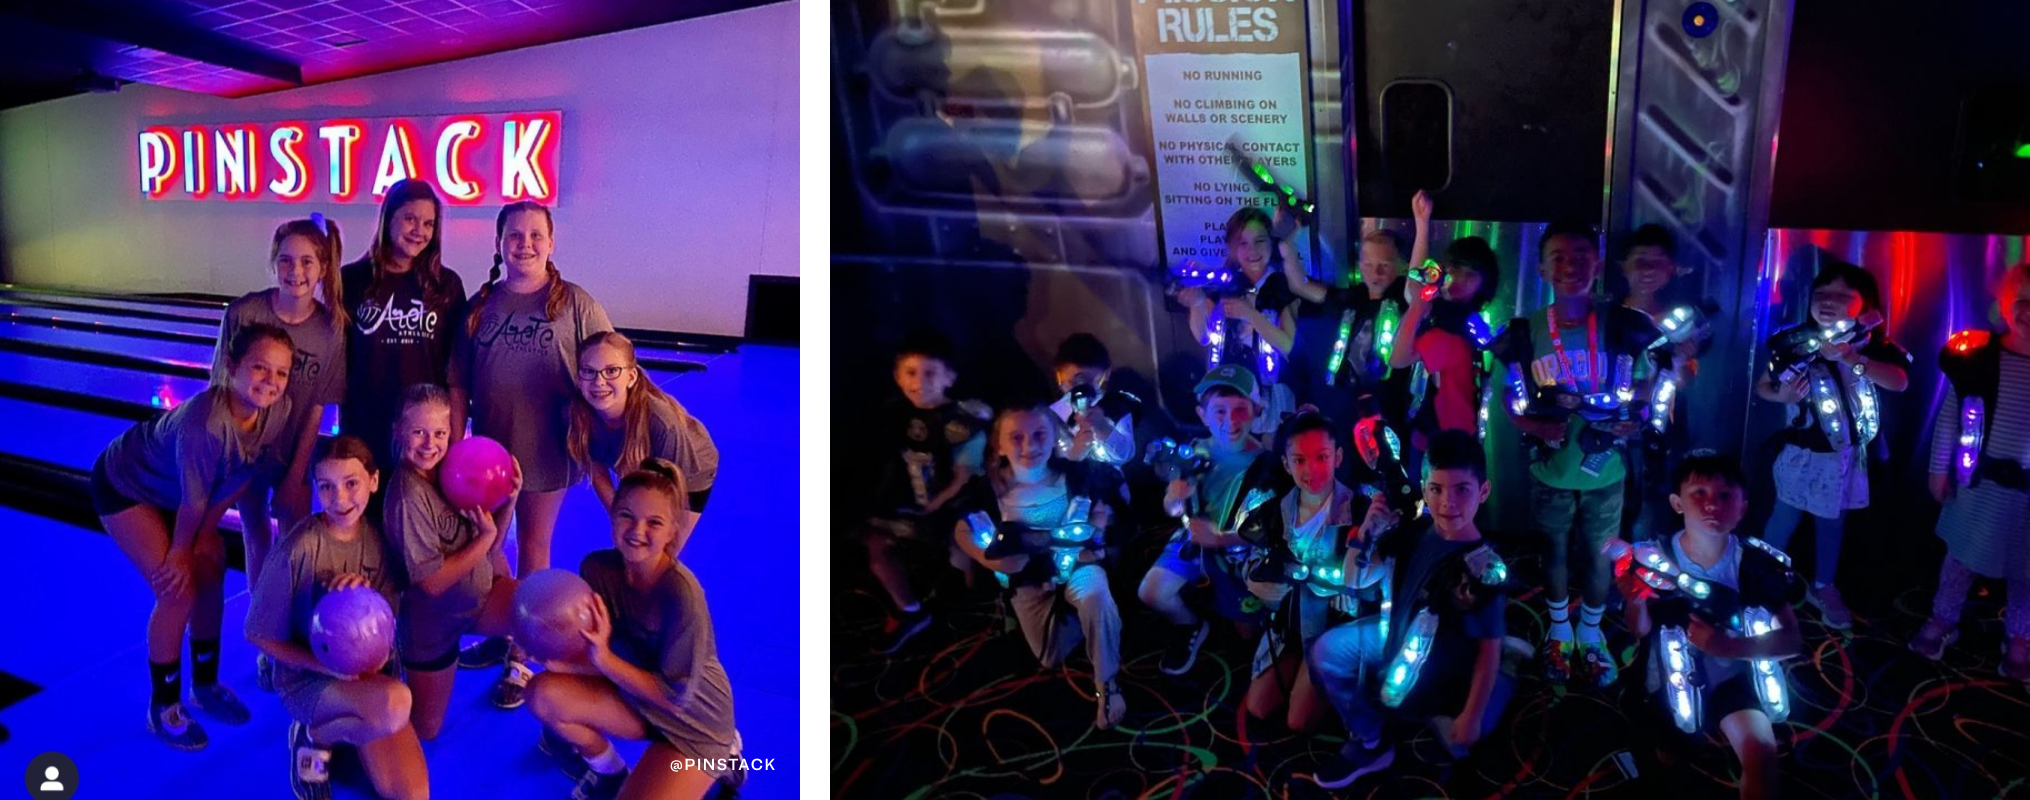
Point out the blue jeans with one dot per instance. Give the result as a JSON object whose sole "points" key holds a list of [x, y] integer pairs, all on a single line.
{"points": [[1783, 521], [1346, 663]]}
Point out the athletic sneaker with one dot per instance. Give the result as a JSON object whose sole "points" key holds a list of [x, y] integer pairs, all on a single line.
{"points": [[1558, 656], [489, 653], [596, 785], [514, 682], [1183, 650], [1599, 663], [171, 725], [309, 765], [1932, 639], [1832, 609], [264, 673], [568, 760], [2016, 660], [901, 628], [219, 703], [1353, 760]]}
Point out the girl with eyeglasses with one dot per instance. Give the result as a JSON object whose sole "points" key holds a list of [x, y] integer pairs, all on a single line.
{"points": [[620, 417]]}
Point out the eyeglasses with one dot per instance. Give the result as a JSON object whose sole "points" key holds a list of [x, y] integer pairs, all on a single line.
{"points": [[612, 373]]}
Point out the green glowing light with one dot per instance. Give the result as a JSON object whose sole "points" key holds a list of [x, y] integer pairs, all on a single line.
{"points": [[2023, 150]]}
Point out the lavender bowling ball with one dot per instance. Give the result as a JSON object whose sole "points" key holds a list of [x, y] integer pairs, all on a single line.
{"points": [[551, 614], [352, 631]]}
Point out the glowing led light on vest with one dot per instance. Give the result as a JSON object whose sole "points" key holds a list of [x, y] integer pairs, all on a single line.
{"points": [[1339, 346], [1973, 414], [1680, 689], [1409, 661], [1518, 391], [1769, 687], [1660, 398]]}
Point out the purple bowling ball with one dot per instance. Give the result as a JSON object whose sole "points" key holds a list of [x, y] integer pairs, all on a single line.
{"points": [[551, 615], [352, 631]]}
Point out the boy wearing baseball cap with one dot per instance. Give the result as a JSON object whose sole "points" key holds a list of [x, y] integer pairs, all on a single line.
{"points": [[1211, 503]]}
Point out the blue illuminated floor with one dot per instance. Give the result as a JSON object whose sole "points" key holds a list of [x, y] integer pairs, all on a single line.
{"points": [[76, 607]]}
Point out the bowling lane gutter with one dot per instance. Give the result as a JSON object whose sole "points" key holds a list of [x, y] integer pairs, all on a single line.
{"points": [[104, 359], [694, 342], [60, 323], [656, 364]]}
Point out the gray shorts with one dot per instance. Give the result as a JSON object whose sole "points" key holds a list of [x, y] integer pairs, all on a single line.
{"points": [[304, 694]]}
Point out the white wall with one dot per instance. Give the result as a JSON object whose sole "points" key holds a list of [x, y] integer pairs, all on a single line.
{"points": [[678, 174]]}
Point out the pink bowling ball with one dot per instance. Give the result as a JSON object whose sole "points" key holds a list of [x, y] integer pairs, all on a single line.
{"points": [[477, 472]]}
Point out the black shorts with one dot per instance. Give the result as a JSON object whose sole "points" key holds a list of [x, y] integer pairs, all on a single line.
{"points": [[106, 500], [1731, 695], [697, 499]]}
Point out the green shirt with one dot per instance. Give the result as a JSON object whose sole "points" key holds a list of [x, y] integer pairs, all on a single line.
{"points": [[1593, 371]]}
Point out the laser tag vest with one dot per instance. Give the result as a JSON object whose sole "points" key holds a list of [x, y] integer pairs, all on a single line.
{"points": [[1676, 673], [1462, 580], [1269, 530], [1972, 363], [1460, 320], [1117, 405], [1227, 344], [1840, 409]]}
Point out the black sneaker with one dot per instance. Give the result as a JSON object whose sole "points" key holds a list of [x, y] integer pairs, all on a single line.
{"points": [[171, 725], [309, 765], [1340, 770], [1183, 652], [568, 760], [219, 703], [903, 627], [489, 653], [595, 785]]}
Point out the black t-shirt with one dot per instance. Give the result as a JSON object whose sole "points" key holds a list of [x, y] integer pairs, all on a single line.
{"points": [[394, 339], [923, 446], [1432, 572]]}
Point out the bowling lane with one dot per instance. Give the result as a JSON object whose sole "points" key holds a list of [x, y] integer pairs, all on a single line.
{"points": [[23, 311], [113, 382], [187, 353], [212, 313], [62, 436]]}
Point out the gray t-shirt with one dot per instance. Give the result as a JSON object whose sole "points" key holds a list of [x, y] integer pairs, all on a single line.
{"points": [[425, 529], [1725, 572], [196, 450], [666, 630], [672, 434], [517, 369], [294, 580], [317, 376]]}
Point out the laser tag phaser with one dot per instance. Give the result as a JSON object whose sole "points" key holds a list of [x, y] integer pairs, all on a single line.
{"points": [[1215, 282], [1685, 324], [1599, 409], [1794, 350], [1425, 280], [1259, 174], [1681, 596], [1063, 543], [1382, 452]]}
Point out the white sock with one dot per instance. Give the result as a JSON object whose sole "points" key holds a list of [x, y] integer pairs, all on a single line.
{"points": [[1561, 620], [1589, 623], [607, 762]]}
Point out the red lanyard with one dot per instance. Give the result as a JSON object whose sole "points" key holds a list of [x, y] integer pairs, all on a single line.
{"points": [[1592, 346]]}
